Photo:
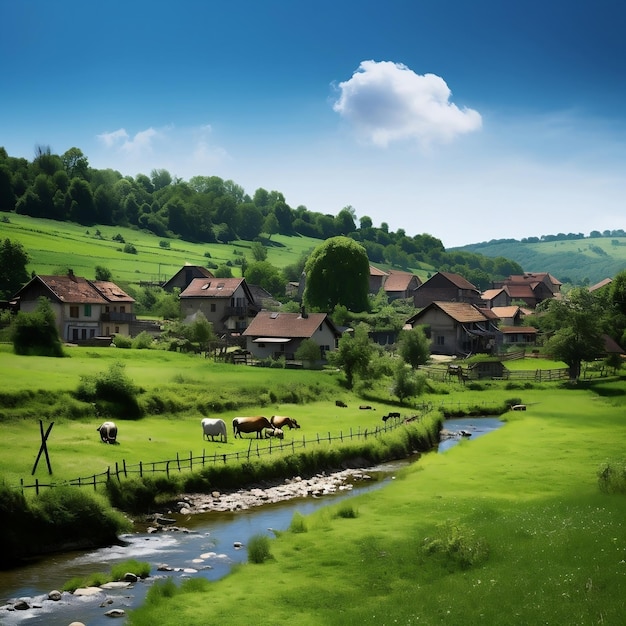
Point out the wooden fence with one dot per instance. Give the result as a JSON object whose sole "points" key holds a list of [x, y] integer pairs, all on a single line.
{"points": [[256, 449]]}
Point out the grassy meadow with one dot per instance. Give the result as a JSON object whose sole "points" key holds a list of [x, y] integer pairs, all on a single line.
{"points": [[510, 529], [52, 245]]}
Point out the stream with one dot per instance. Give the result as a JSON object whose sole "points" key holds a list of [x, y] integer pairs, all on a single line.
{"points": [[205, 544]]}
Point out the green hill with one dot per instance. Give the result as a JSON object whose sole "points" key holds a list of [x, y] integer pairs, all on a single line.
{"points": [[586, 260], [54, 246]]}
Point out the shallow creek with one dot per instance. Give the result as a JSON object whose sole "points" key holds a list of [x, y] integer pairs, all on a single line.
{"points": [[206, 544]]}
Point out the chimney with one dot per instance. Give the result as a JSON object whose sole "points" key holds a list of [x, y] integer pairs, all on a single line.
{"points": [[303, 314]]}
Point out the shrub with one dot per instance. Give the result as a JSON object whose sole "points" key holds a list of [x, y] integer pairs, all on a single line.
{"points": [[142, 341], [141, 569], [121, 341], [347, 511], [457, 546], [259, 549], [129, 248], [36, 333], [612, 476], [298, 523]]}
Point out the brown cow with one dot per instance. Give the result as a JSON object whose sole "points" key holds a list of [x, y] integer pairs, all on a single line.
{"points": [[280, 421], [251, 425]]}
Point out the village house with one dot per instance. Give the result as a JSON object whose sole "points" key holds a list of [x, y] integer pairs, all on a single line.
{"points": [[395, 283], [446, 287], [272, 334], [185, 275], [520, 336], [84, 309], [457, 328], [530, 288], [227, 303]]}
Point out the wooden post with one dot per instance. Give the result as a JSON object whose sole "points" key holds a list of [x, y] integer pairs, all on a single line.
{"points": [[177, 462], [140, 469], [124, 464], [43, 448], [190, 461], [37, 486], [95, 488], [167, 467]]}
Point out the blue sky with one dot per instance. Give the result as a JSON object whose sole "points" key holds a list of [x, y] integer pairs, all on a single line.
{"points": [[467, 121]]}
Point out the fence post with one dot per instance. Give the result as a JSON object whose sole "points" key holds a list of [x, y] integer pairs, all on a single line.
{"points": [[202, 457], [167, 468], [108, 473], [124, 466], [22, 485], [177, 462], [140, 469], [117, 471], [190, 461], [37, 486], [249, 446], [94, 483], [225, 458], [341, 435]]}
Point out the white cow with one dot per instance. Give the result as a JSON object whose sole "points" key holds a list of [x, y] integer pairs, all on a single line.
{"points": [[213, 428], [108, 432]]}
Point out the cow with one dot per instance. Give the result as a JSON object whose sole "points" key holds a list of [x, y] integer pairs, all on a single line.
{"points": [[213, 428], [274, 432], [366, 407], [280, 421], [341, 404], [250, 425], [391, 414], [108, 432]]}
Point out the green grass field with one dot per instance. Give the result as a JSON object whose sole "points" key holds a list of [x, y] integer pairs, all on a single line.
{"points": [[508, 529], [52, 245]]}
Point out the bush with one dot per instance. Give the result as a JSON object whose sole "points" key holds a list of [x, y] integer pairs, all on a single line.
{"points": [[259, 549], [457, 546], [121, 341], [347, 511], [142, 341], [298, 523], [36, 333], [612, 476]]}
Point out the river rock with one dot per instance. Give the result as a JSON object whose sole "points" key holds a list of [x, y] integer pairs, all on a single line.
{"points": [[54, 595], [21, 605], [77, 624], [129, 577], [116, 613], [87, 591]]}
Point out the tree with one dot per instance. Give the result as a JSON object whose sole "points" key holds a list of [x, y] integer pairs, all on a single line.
{"points": [[308, 351], [405, 382], [270, 225], [354, 354], [414, 347], [200, 331], [576, 322], [267, 276], [337, 272], [160, 178], [75, 163], [259, 251], [36, 333], [103, 273], [13, 274]]}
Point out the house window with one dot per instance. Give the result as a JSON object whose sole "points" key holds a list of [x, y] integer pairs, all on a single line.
{"points": [[441, 340], [92, 332], [83, 333], [122, 309], [213, 307], [117, 330], [74, 334], [107, 330], [74, 311], [107, 308], [87, 310]]}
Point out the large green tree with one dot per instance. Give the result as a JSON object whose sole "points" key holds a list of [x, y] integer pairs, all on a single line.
{"points": [[414, 347], [13, 274], [354, 354], [337, 272], [576, 323]]}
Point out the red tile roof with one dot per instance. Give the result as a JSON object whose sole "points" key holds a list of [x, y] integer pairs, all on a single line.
{"points": [[458, 281], [461, 312], [211, 288], [71, 289], [288, 325], [399, 281], [111, 291]]}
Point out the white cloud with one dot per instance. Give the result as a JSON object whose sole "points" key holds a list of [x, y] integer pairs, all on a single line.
{"points": [[184, 151], [388, 102]]}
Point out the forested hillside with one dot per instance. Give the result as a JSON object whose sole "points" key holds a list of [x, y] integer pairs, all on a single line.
{"points": [[571, 258], [210, 210]]}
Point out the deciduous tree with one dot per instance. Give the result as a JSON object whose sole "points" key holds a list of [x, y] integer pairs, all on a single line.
{"points": [[13, 262]]}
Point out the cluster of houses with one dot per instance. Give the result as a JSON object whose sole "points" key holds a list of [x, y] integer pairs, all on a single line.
{"points": [[459, 319]]}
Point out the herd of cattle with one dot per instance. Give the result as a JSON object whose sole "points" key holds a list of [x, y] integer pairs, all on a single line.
{"points": [[260, 425]]}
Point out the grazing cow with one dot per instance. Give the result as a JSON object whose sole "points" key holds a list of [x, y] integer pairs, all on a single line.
{"points": [[366, 407], [213, 428], [108, 432], [251, 425], [274, 432], [341, 403], [280, 421], [391, 414]]}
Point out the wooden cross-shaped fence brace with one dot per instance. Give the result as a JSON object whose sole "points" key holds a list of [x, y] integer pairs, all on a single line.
{"points": [[43, 448]]}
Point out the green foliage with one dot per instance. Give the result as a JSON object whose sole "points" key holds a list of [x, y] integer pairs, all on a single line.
{"points": [[308, 351], [354, 353], [122, 341], [36, 333], [13, 262], [267, 276], [112, 391], [456, 546], [298, 523], [141, 569], [612, 476], [414, 347], [103, 273], [337, 272], [141, 495], [259, 549], [406, 383], [347, 510], [129, 248], [142, 341]]}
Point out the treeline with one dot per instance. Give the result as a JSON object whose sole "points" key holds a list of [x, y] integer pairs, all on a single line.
{"points": [[594, 234], [208, 209]]}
